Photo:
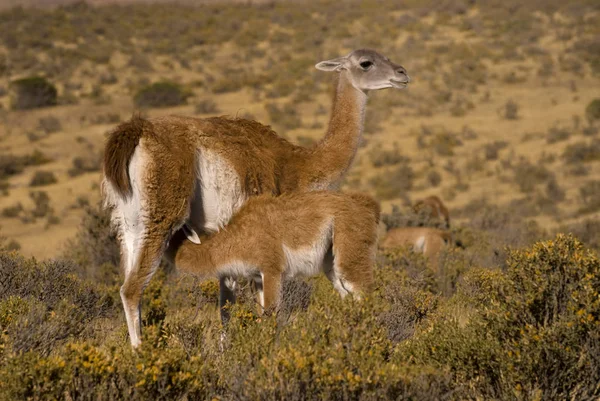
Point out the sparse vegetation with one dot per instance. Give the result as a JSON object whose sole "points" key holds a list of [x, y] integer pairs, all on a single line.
{"points": [[528, 175], [386, 157], [11, 165], [33, 92], [161, 94], [510, 111], [49, 124], [12, 211], [206, 106], [581, 152], [592, 111], [283, 118], [84, 165], [42, 178], [41, 201], [394, 181]]}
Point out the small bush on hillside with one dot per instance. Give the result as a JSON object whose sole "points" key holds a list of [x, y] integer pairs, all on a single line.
{"points": [[590, 195], [554, 192], [386, 157], [434, 178], [41, 201], [161, 94], [592, 111], [528, 175], [11, 165], [84, 165], [206, 106], [284, 118], [510, 111], [33, 92], [491, 150], [12, 211], [444, 144], [49, 124], [106, 118], [42, 178], [95, 247], [582, 152], [556, 134], [140, 62], [394, 182]]}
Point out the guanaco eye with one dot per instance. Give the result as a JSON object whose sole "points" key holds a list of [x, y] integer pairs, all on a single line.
{"points": [[365, 65]]}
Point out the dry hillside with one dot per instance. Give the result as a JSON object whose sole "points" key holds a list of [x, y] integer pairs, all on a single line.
{"points": [[500, 110]]}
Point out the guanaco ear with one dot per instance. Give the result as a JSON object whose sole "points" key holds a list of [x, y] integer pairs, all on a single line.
{"points": [[336, 64], [191, 234]]}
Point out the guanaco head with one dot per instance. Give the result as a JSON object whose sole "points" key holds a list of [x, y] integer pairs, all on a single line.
{"points": [[368, 70]]}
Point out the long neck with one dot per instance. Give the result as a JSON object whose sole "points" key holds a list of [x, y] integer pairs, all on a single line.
{"points": [[333, 156]]}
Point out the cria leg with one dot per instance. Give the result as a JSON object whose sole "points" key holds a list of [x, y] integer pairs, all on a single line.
{"points": [[226, 297], [269, 293]]}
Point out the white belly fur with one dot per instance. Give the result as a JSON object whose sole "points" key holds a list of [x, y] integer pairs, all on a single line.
{"points": [[308, 261], [218, 193]]}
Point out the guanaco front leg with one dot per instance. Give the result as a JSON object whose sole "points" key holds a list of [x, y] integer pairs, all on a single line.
{"points": [[269, 292]]}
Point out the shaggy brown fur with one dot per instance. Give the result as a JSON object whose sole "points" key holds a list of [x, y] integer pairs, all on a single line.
{"points": [[119, 150], [435, 207], [425, 240], [275, 236]]}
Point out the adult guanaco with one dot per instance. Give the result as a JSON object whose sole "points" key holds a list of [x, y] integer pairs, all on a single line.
{"points": [[163, 173]]}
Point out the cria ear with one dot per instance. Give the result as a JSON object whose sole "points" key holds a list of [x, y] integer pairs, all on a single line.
{"points": [[336, 64], [191, 234]]}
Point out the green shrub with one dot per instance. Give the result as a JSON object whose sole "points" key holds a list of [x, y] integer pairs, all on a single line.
{"points": [[510, 111], [394, 182], [84, 165], [206, 106], [33, 92], [284, 118], [534, 331], [12, 211], [528, 175], [592, 111], [590, 195], [49, 124], [161, 94], [12, 165], [556, 134], [96, 247], [491, 150], [41, 201], [434, 178], [42, 178], [582, 152], [386, 157]]}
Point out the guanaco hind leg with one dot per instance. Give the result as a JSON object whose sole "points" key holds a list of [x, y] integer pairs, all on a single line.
{"points": [[140, 265]]}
